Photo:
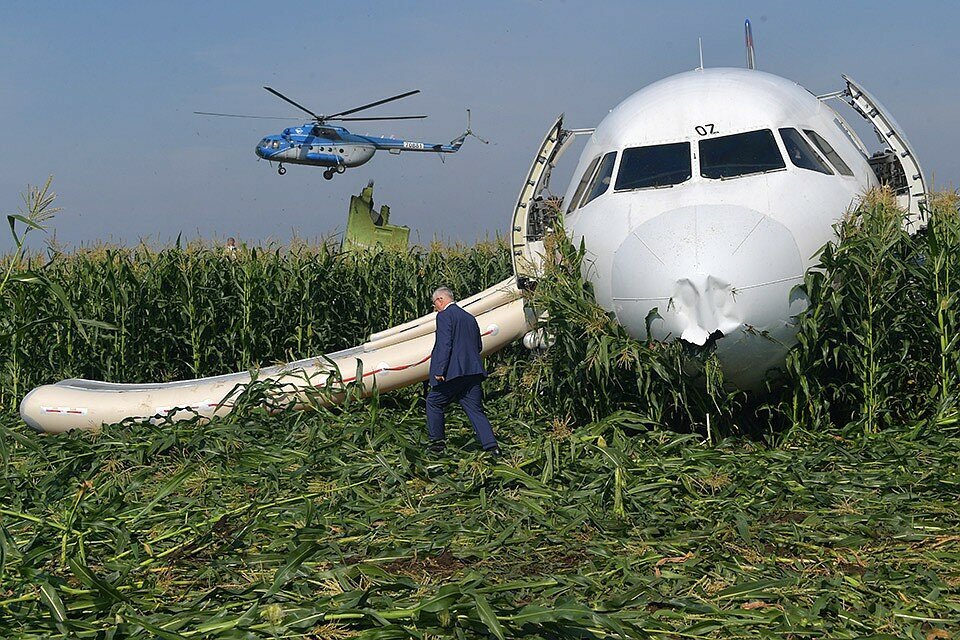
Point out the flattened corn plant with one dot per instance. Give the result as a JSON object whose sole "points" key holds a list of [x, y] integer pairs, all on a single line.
{"points": [[338, 524]]}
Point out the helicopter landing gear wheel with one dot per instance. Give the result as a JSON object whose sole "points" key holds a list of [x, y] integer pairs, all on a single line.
{"points": [[341, 168], [328, 174], [281, 170]]}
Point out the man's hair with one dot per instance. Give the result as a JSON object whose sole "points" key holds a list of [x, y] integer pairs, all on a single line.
{"points": [[446, 292]]}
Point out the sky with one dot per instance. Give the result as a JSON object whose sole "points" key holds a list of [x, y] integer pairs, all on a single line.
{"points": [[101, 96]]}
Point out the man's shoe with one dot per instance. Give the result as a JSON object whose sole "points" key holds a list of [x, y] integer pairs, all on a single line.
{"points": [[494, 452], [437, 446]]}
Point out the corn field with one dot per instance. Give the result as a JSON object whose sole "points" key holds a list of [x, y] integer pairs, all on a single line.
{"points": [[638, 497], [193, 311]]}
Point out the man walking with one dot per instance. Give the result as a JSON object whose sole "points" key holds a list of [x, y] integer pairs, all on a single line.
{"points": [[456, 373]]}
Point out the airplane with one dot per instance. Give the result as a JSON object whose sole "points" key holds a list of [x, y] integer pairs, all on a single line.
{"points": [[703, 199], [319, 144]]}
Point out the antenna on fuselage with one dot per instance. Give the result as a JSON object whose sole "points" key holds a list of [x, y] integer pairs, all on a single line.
{"points": [[700, 44], [748, 34]]}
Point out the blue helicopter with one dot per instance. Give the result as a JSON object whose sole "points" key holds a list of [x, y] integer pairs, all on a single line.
{"points": [[320, 144]]}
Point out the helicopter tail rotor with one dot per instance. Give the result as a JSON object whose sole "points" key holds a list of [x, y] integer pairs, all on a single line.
{"points": [[458, 142]]}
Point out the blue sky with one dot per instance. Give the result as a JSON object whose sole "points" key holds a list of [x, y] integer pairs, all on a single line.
{"points": [[101, 95]]}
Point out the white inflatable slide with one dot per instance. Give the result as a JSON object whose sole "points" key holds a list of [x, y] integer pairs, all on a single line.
{"points": [[390, 359]]}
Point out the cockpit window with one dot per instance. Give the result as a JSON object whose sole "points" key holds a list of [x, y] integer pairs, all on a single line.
{"points": [[587, 174], [740, 154], [801, 153], [324, 132], [828, 151], [601, 179], [661, 165]]}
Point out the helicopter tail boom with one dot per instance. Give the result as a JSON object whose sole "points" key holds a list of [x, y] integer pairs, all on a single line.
{"points": [[396, 146], [457, 142]]}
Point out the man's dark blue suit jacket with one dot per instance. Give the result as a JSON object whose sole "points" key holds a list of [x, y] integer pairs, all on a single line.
{"points": [[456, 353]]}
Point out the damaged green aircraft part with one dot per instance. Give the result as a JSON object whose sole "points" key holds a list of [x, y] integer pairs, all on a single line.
{"points": [[367, 228]]}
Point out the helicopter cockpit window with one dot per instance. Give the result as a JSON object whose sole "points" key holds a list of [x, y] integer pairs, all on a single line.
{"points": [[740, 154], [801, 153], [275, 144], [587, 174], [660, 165], [828, 151], [324, 132], [601, 179]]}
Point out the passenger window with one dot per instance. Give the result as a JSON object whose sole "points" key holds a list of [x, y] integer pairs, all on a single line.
{"points": [[601, 180], [583, 184], [661, 165], [801, 153], [740, 154], [828, 151]]}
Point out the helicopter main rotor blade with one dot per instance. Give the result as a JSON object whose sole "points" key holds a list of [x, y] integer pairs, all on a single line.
{"points": [[298, 106], [380, 118], [373, 104], [237, 115]]}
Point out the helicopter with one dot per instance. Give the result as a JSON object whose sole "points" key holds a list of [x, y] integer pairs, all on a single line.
{"points": [[320, 144]]}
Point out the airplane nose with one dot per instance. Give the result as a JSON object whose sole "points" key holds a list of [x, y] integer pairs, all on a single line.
{"points": [[718, 271]]}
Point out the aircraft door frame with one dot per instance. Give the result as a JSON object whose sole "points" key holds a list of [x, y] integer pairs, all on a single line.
{"points": [[533, 216], [912, 195]]}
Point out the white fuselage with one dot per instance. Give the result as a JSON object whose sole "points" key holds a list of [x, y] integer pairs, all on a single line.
{"points": [[716, 248]]}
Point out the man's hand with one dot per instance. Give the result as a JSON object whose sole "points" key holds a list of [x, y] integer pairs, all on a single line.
{"points": [[439, 378]]}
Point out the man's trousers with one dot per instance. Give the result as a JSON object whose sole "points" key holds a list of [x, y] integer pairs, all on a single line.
{"points": [[468, 392]]}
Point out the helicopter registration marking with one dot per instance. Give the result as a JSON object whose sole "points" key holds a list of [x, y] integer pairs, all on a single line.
{"points": [[412, 145]]}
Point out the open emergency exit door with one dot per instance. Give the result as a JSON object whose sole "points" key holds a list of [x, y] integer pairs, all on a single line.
{"points": [[897, 165]]}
